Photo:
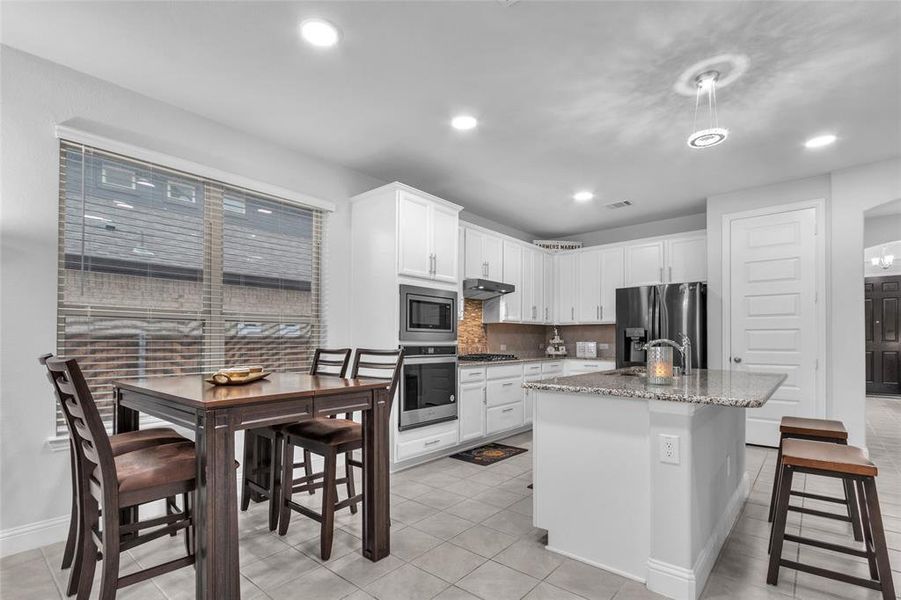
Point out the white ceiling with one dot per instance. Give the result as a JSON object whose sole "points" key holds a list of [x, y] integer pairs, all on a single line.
{"points": [[569, 95]]}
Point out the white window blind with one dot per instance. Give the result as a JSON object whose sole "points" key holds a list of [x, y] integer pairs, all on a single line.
{"points": [[165, 273]]}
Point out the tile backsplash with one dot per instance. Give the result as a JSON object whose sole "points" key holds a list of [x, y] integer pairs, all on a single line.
{"points": [[525, 340]]}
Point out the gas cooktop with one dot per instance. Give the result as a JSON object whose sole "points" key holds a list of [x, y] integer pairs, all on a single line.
{"points": [[485, 357]]}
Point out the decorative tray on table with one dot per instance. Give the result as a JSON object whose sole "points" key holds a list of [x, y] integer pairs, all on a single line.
{"points": [[237, 375]]}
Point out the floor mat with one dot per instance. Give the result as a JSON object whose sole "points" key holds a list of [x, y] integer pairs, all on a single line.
{"points": [[488, 454]]}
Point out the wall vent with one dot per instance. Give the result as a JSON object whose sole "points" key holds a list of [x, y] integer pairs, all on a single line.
{"points": [[622, 204]]}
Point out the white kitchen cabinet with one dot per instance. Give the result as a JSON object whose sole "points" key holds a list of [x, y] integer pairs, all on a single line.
{"points": [[565, 266], [471, 407], [483, 255], [588, 304], [572, 366], [686, 258], [427, 238], [532, 285], [501, 418], [612, 277], [513, 275], [644, 263], [548, 295], [426, 440]]}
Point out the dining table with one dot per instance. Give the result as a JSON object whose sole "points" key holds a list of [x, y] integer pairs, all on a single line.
{"points": [[216, 412]]}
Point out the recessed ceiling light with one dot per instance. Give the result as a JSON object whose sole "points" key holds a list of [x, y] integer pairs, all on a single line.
{"points": [[319, 32], [96, 218], [584, 196], [123, 204], [146, 183], [820, 141], [265, 211], [464, 122]]}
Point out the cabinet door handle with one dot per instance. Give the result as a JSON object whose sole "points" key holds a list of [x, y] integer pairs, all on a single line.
{"points": [[602, 312], [432, 443], [506, 384], [572, 313], [670, 274], [507, 410], [661, 274], [545, 313], [597, 311]]}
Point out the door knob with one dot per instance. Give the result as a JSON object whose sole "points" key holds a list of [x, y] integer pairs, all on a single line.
{"points": [[737, 359]]}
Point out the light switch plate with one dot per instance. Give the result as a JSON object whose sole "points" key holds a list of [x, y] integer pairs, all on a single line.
{"points": [[503, 347], [669, 449], [603, 346]]}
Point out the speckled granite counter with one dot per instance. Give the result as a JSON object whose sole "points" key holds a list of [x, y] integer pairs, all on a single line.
{"points": [[462, 362], [703, 386]]}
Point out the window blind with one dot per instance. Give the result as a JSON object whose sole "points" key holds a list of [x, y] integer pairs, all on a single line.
{"points": [[165, 273]]}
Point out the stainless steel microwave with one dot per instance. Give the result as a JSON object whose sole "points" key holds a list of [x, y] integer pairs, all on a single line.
{"points": [[427, 315]]}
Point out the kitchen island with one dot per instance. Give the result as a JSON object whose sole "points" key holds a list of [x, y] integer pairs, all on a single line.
{"points": [[643, 480]]}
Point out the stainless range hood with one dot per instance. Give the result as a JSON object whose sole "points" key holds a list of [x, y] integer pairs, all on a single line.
{"points": [[484, 289]]}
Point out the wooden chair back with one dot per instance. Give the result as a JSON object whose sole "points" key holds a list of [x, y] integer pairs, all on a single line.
{"points": [[330, 361], [86, 427], [379, 364]]}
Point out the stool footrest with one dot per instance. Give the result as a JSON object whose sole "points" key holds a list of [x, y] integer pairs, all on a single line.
{"points": [[825, 545], [818, 497], [820, 513], [830, 574]]}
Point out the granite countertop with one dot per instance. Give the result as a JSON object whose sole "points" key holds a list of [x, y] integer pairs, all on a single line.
{"points": [[481, 363], [726, 388]]}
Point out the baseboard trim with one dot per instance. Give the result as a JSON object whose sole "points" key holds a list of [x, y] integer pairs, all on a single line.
{"points": [[619, 572], [680, 583], [33, 535]]}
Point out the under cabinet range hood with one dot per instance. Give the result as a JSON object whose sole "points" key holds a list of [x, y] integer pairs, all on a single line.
{"points": [[484, 289]]}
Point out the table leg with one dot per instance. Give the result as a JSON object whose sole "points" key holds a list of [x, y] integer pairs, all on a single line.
{"points": [[216, 512], [125, 420], [376, 509]]}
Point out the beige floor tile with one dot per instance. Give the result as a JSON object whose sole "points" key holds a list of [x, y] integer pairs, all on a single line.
{"points": [[270, 572], [473, 510], [495, 581], [509, 522], [361, 571], [407, 583], [444, 525], [546, 591], [320, 583], [455, 593], [484, 541], [586, 581], [531, 558], [408, 543], [449, 562]]}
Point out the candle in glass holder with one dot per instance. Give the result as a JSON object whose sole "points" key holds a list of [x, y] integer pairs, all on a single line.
{"points": [[660, 365]]}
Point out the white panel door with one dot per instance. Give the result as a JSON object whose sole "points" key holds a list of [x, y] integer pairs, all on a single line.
{"points": [[644, 264], [773, 311], [588, 307], [565, 299], [443, 225], [493, 255], [471, 405], [686, 259], [413, 254], [513, 275], [612, 277], [473, 262]]}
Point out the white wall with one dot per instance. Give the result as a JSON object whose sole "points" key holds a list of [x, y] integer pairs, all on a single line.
{"points": [[469, 217], [881, 229], [36, 96], [848, 193], [642, 230]]}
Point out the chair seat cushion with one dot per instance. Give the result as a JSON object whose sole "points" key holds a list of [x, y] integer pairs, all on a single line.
{"points": [[327, 431], [155, 466], [821, 428], [143, 438], [826, 456]]}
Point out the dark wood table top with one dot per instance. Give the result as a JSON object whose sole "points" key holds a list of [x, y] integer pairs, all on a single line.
{"points": [[195, 392]]}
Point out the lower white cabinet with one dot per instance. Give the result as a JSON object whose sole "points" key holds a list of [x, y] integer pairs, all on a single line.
{"points": [[576, 367], [471, 407], [432, 440], [499, 418], [503, 391]]}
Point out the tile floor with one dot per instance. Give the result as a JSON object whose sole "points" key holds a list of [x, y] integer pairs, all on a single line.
{"points": [[463, 532]]}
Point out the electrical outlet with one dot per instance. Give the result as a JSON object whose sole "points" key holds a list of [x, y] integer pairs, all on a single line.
{"points": [[669, 449], [603, 346], [503, 347]]}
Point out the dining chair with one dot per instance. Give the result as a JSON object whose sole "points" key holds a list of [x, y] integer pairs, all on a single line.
{"points": [[113, 483], [120, 444], [262, 473], [328, 438]]}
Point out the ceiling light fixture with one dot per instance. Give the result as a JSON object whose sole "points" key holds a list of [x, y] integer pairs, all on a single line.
{"points": [[583, 196], [319, 33], [820, 141], [123, 204], [884, 262], [713, 134], [146, 183], [265, 211], [464, 122]]}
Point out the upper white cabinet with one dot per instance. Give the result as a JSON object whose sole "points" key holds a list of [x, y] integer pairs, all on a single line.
{"points": [[547, 299], [512, 302], [588, 303], [612, 277], [427, 238], [644, 263], [533, 310], [565, 266], [686, 258], [483, 255]]}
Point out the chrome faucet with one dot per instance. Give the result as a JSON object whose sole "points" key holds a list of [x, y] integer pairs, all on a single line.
{"points": [[684, 350]]}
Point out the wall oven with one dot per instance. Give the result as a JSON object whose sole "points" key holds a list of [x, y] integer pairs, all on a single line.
{"points": [[428, 386], [427, 315]]}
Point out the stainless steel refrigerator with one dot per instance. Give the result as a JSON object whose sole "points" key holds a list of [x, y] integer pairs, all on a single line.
{"points": [[661, 311]]}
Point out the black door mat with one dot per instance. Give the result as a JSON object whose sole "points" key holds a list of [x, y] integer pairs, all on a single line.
{"points": [[488, 454]]}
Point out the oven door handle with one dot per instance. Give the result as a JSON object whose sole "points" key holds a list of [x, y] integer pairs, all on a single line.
{"points": [[427, 360]]}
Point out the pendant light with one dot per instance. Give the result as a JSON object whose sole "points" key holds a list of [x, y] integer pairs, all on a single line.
{"points": [[713, 134]]}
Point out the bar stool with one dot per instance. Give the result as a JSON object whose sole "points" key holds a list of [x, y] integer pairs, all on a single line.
{"points": [[848, 464], [329, 438], [821, 430], [116, 484], [120, 444], [262, 464]]}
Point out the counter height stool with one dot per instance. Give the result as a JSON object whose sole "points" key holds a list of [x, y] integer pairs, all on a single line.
{"points": [[328, 438], [262, 446], [820, 430], [120, 444], [848, 464], [113, 484]]}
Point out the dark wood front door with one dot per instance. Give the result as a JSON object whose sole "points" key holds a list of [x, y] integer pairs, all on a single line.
{"points": [[882, 306]]}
